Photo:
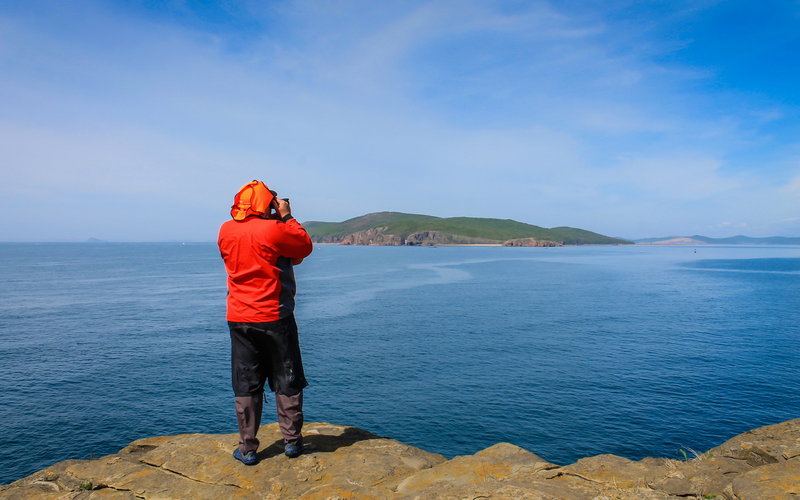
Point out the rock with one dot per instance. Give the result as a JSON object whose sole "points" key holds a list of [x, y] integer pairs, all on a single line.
{"points": [[709, 475], [346, 462], [373, 236], [612, 469], [765, 445], [494, 464], [429, 238], [532, 242], [776, 480], [379, 236], [351, 463]]}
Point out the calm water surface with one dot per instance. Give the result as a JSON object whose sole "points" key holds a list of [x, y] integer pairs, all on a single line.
{"points": [[567, 351]]}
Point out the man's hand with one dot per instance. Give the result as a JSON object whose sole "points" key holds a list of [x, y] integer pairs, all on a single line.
{"points": [[282, 207]]}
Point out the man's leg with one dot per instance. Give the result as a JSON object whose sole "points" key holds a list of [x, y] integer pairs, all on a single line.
{"points": [[248, 416], [290, 416], [248, 373], [287, 379]]}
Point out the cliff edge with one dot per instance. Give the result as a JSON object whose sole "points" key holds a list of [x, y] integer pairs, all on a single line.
{"points": [[351, 463]]}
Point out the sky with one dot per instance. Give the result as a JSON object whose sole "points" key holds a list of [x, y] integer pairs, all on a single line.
{"points": [[138, 120]]}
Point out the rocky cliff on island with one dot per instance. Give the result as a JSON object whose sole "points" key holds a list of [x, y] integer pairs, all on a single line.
{"points": [[380, 236], [374, 236], [346, 462], [532, 242]]}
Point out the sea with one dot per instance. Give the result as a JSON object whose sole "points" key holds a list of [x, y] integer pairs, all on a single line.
{"points": [[567, 352]]}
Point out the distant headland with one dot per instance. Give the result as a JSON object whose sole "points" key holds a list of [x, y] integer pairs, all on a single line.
{"points": [[705, 240], [397, 229]]}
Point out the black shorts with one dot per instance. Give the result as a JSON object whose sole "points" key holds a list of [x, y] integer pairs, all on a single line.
{"points": [[263, 352]]}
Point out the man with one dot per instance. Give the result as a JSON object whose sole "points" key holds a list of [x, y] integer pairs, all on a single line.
{"points": [[259, 249]]}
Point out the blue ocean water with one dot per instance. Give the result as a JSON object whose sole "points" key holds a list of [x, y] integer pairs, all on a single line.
{"points": [[567, 352]]}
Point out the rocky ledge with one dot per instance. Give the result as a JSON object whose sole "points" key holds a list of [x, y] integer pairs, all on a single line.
{"points": [[351, 463]]}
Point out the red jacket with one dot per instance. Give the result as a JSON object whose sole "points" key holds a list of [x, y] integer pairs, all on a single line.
{"points": [[258, 256]]}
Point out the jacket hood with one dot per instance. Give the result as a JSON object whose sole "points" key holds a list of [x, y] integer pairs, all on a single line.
{"points": [[254, 198]]}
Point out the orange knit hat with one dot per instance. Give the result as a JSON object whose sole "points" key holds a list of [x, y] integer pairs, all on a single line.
{"points": [[254, 198]]}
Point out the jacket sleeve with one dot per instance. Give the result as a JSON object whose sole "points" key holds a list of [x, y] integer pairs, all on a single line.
{"points": [[294, 241]]}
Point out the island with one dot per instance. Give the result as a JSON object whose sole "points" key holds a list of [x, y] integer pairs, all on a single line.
{"points": [[397, 228]]}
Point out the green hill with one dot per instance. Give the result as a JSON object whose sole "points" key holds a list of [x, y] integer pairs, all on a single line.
{"points": [[378, 226]]}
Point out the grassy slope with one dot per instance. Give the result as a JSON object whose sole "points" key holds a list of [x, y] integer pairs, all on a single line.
{"points": [[472, 228]]}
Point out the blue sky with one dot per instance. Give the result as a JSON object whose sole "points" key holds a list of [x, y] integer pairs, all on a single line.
{"points": [[138, 120]]}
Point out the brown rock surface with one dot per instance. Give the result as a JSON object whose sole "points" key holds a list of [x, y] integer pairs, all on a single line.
{"points": [[350, 463], [778, 480], [492, 465], [764, 445]]}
